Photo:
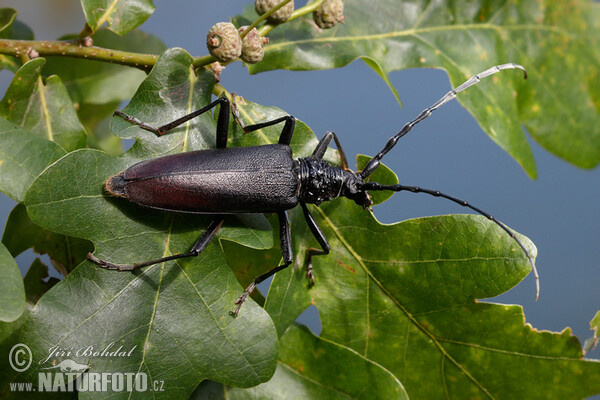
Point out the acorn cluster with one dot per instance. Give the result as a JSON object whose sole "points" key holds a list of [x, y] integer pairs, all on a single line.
{"points": [[224, 43], [224, 40]]}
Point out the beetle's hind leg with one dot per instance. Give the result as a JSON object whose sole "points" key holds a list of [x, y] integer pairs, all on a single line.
{"points": [[286, 251], [198, 248]]}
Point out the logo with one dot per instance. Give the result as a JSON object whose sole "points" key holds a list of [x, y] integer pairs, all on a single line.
{"points": [[70, 366], [20, 357], [65, 374]]}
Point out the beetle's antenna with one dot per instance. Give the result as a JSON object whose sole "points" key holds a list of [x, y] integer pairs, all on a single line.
{"points": [[374, 162], [415, 189]]}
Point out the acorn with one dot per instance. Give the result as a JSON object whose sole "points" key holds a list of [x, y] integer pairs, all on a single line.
{"points": [[252, 45], [329, 13], [224, 42], [279, 16]]}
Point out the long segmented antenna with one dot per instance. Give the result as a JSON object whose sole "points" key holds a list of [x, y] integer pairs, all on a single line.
{"points": [[415, 189], [374, 162]]}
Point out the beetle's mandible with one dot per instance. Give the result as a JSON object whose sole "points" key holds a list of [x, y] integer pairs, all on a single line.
{"points": [[262, 179]]}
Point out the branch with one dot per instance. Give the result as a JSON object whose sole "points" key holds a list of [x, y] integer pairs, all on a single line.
{"points": [[20, 48]]}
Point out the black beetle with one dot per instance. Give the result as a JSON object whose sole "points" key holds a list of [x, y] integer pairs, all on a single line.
{"points": [[261, 179]]}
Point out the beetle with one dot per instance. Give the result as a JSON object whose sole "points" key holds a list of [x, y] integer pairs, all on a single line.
{"points": [[263, 179]]}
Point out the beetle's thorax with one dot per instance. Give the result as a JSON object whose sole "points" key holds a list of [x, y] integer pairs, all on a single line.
{"points": [[320, 181]]}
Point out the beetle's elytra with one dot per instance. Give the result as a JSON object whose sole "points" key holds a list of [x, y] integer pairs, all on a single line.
{"points": [[215, 181], [262, 179]]}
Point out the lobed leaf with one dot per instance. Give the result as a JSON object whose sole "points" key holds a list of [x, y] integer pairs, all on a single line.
{"points": [[11, 28], [12, 293], [382, 174], [404, 296], [313, 368], [21, 234], [22, 157], [121, 16], [590, 343], [303, 142], [97, 82], [7, 17], [36, 282], [180, 319], [172, 89], [44, 109], [556, 41]]}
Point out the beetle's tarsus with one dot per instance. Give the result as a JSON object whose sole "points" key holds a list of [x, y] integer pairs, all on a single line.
{"points": [[135, 121], [236, 114], [240, 301], [109, 265]]}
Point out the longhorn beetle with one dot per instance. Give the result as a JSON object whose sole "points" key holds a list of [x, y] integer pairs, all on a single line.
{"points": [[262, 179]]}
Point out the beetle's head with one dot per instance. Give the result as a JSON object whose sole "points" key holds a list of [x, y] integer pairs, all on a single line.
{"points": [[352, 189]]}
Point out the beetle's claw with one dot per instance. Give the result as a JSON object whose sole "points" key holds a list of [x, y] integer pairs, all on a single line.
{"points": [[310, 276], [239, 303]]}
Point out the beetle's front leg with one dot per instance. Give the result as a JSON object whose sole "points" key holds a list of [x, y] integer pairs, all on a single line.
{"points": [[222, 121], [286, 251]]}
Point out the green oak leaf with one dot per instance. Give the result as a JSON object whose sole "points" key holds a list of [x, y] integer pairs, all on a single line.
{"points": [[97, 88], [382, 174], [590, 343], [176, 313], [303, 142], [404, 296], [36, 282], [173, 317], [556, 41], [21, 234], [7, 17], [12, 293], [172, 89], [180, 318], [96, 82], [311, 367], [121, 16], [22, 157], [43, 108], [11, 28]]}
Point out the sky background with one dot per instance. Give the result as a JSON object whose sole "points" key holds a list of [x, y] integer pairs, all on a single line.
{"points": [[559, 211]]}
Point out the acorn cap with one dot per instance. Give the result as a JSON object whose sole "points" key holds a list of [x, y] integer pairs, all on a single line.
{"points": [[252, 45], [329, 13], [224, 42], [279, 16]]}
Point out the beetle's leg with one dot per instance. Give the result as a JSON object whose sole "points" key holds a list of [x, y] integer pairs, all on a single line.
{"points": [[321, 148], [286, 252], [199, 246], [286, 133], [318, 234], [222, 121]]}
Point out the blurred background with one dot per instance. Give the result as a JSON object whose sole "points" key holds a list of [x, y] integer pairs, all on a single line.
{"points": [[559, 211]]}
